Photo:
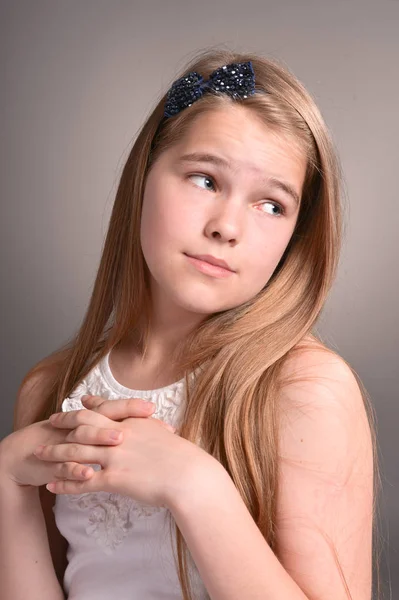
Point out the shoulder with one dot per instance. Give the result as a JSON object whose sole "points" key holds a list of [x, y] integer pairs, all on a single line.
{"points": [[322, 409], [324, 507], [31, 396], [318, 374]]}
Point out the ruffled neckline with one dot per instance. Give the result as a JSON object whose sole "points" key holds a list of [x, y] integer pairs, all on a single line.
{"points": [[121, 389]]}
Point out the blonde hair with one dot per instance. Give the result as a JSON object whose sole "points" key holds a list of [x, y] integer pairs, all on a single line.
{"points": [[233, 406]]}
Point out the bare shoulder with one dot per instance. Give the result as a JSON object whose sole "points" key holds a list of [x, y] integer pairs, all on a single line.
{"points": [[31, 397], [325, 476], [319, 368], [322, 408]]}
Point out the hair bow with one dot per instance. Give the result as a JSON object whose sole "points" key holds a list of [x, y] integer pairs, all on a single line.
{"points": [[236, 80]]}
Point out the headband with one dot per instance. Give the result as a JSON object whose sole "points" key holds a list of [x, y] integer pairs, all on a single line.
{"points": [[236, 80]]}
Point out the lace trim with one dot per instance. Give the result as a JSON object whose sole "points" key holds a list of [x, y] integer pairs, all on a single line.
{"points": [[168, 400]]}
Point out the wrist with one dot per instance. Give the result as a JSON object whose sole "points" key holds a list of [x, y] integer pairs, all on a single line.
{"points": [[4, 461], [11, 489], [201, 477], [7, 484]]}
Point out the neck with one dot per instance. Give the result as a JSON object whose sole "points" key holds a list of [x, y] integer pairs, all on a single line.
{"points": [[169, 327]]}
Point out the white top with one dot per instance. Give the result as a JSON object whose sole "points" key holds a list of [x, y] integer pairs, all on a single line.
{"points": [[119, 548]]}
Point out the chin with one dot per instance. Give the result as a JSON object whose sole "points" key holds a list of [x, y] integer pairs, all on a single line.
{"points": [[202, 305], [196, 297], [199, 307]]}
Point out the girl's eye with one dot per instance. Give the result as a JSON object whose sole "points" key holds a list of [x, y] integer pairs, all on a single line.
{"points": [[277, 206], [210, 185], [208, 180]]}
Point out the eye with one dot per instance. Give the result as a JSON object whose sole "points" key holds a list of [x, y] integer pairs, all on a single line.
{"points": [[276, 205], [207, 180]]}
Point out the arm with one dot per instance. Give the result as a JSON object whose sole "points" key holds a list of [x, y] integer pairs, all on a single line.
{"points": [[58, 544], [231, 555], [324, 507], [27, 554], [26, 568]]}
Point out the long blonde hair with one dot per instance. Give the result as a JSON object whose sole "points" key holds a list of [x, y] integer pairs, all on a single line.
{"points": [[233, 406]]}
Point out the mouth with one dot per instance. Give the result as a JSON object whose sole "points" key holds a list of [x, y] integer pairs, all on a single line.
{"points": [[210, 265]]}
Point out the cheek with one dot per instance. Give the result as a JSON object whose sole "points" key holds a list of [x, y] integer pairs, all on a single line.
{"points": [[265, 252], [161, 223], [168, 216]]}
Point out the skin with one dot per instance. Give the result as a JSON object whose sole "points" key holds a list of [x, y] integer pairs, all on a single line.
{"points": [[17, 461], [201, 208]]}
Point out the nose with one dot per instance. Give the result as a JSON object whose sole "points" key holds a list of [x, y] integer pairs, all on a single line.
{"points": [[226, 222]]}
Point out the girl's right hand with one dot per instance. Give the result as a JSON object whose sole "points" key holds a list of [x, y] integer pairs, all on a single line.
{"points": [[19, 464]]}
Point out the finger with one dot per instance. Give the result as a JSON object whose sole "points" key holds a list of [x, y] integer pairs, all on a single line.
{"points": [[87, 434], [72, 452], [92, 401], [68, 486], [74, 418], [121, 408], [73, 471]]}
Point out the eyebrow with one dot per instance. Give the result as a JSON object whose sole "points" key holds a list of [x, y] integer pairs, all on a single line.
{"points": [[222, 162]]}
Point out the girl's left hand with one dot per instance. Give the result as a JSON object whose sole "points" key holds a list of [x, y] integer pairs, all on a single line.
{"points": [[151, 464]]}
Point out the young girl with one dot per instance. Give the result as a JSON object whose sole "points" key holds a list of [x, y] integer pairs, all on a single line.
{"points": [[253, 476]]}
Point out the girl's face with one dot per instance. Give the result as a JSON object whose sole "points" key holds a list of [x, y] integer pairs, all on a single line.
{"points": [[229, 189]]}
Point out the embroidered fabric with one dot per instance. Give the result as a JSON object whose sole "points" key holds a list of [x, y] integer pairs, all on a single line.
{"points": [[117, 546], [111, 516]]}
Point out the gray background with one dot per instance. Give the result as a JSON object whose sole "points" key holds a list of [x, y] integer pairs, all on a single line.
{"points": [[77, 80]]}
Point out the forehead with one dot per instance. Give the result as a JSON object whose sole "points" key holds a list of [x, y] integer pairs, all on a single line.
{"points": [[246, 143]]}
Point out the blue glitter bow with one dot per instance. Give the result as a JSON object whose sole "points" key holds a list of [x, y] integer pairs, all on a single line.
{"points": [[236, 80]]}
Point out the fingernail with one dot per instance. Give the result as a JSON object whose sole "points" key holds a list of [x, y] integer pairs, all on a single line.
{"points": [[85, 397], [115, 435], [39, 450]]}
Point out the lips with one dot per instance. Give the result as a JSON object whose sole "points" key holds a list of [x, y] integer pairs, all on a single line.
{"points": [[218, 262]]}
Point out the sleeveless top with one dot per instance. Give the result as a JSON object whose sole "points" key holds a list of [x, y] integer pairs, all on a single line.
{"points": [[117, 547]]}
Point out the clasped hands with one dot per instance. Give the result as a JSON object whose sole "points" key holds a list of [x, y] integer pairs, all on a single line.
{"points": [[140, 457]]}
